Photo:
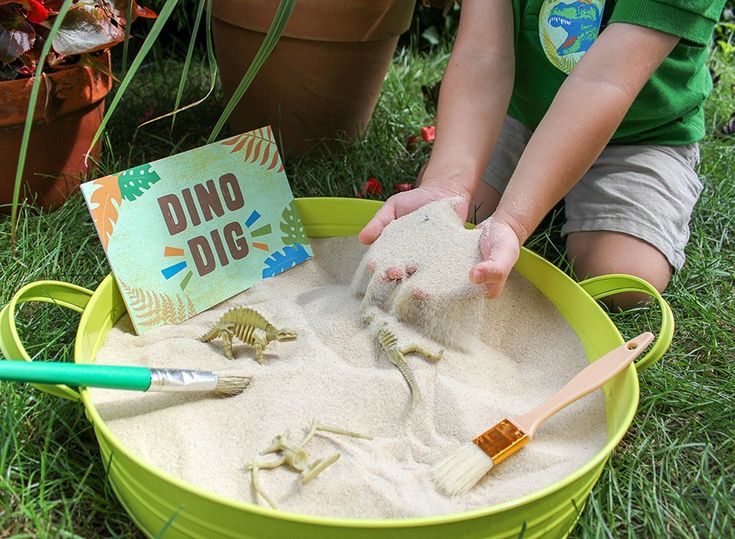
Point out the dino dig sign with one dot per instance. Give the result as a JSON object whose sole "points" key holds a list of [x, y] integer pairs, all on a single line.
{"points": [[204, 202], [191, 230]]}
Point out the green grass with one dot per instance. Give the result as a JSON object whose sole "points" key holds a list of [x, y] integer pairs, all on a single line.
{"points": [[674, 472]]}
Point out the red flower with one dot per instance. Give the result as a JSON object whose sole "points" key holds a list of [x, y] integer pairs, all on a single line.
{"points": [[428, 133], [372, 187], [37, 12], [400, 187]]}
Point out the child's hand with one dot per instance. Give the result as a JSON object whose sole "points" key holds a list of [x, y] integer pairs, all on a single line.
{"points": [[500, 248], [403, 203]]}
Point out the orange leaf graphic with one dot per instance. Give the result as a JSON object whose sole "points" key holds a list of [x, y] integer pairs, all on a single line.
{"points": [[256, 147], [231, 141], [107, 199]]}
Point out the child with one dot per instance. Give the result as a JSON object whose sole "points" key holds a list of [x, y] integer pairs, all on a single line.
{"points": [[604, 103]]}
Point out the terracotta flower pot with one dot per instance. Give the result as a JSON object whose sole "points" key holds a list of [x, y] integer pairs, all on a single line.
{"points": [[68, 112], [324, 75]]}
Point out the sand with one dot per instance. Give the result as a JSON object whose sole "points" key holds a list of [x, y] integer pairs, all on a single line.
{"points": [[432, 254], [523, 353]]}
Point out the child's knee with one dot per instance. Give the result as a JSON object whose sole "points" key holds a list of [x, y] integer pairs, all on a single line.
{"points": [[603, 252]]}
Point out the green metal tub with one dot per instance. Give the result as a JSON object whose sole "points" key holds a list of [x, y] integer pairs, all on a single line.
{"points": [[162, 505]]}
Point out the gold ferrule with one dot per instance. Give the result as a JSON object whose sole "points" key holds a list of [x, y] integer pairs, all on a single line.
{"points": [[501, 441]]}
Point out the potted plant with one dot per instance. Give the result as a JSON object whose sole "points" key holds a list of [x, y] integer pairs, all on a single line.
{"points": [[324, 75], [75, 81]]}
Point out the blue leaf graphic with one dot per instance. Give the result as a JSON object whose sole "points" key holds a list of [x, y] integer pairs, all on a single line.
{"points": [[278, 262]]}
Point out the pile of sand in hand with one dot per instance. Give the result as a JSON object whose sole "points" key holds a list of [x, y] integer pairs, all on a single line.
{"points": [[418, 271]]}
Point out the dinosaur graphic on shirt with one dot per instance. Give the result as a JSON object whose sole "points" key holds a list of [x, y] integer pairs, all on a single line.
{"points": [[580, 20]]}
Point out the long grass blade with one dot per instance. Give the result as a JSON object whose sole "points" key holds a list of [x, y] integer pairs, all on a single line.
{"points": [[128, 26], [211, 61], [280, 19], [145, 48], [26, 138], [187, 60]]}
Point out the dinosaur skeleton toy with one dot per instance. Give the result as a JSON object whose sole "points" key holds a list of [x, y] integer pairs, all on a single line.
{"points": [[388, 345], [250, 327], [296, 457]]}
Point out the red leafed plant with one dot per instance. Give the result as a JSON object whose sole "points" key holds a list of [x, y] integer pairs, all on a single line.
{"points": [[89, 26]]}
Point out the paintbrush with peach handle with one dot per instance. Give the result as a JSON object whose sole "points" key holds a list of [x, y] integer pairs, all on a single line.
{"points": [[463, 467]]}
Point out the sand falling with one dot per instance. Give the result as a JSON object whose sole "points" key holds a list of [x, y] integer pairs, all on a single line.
{"points": [[501, 357]]}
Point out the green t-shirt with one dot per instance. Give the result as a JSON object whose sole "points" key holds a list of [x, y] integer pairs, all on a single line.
{"points": [[551, 36]]}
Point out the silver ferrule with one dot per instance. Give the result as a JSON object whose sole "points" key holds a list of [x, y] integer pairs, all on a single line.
{"points": [[182, 380]]}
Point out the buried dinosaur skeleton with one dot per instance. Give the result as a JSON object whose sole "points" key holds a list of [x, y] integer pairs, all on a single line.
{"points": [[388, 346], [294, 456]]}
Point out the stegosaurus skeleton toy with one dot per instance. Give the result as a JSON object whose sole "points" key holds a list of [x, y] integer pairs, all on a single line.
{"points": [[250, 327], [296, 457]]}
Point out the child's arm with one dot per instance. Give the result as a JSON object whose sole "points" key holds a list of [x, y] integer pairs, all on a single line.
{"points": [[474, 98], [580, 122]]}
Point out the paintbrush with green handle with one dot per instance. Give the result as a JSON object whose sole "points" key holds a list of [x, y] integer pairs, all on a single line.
{"points": [[120, 377]]}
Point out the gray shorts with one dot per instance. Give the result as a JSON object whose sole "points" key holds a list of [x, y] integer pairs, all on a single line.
{"points": [[647, 191]]}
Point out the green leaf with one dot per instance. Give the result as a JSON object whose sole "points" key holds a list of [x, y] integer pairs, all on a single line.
{"points": [[280, 19], [87, 28], [291, 226], [33, 98], [16, 35], [135, 181]]}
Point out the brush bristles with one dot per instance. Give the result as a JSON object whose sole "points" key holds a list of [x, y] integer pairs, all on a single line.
{"points": [[461, 469], [229, 386]]}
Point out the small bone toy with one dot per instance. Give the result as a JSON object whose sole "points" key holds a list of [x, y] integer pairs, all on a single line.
{"points": [[296, 457], [388, 344], [248, 326]]}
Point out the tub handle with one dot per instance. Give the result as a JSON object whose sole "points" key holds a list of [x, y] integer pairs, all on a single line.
{"points": [[608, 285], [59, 293]]}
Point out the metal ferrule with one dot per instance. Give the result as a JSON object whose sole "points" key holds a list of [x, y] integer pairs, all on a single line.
{"points": [[501, 441], [182, 380]]}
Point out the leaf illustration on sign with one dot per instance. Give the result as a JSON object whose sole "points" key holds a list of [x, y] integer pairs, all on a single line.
{"points": [[280, 261], [257, 146], [291, 226], [104, 205], [155, 308], [135, 181]]}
